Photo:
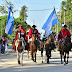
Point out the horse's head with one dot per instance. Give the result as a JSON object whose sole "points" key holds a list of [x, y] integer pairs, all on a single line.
{"points": [[18, 42], [33, 37], [52, 37], [66, 40]]}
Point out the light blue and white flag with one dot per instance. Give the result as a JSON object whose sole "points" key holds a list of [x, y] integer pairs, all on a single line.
{"points": [[52, 20], [9, 24]]}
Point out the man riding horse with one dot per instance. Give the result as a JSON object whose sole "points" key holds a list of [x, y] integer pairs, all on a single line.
{"points": [[33, 41], [23, 34], [64, 44], [32, 31], [63, 34]]}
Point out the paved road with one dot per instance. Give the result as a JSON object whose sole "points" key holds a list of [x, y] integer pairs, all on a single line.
{"points": [[8, 63]]}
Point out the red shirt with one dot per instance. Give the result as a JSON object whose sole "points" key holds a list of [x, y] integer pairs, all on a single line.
{"points": [[23, 31], [30, 33], [63, 33]]}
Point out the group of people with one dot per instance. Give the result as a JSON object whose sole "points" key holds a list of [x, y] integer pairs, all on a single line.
{"points": [[26, 37], [32, 30], [3, 44]]}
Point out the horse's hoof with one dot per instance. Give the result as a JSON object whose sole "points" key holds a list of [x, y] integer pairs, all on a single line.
{"points": [[34, 61], [61, 62], [47, 62], [18, 62], [22, 64], [64, 63], [42, 61], [28, 57]]}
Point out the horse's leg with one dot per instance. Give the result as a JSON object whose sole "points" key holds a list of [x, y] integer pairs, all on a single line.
{"points": [[35, 56], [67, 58], [28, 53], [22, 58], [64, 58], [47, 53], [61, 57], [32, 55], [18, 57], [42, 54]]}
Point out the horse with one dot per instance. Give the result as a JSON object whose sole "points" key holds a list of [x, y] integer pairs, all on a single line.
{"points": [[65, 47], [20, 47], [49, 45], [33, 47]]}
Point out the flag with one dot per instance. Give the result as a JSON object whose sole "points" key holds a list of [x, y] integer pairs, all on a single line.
{"points": [[52, 20], [46, 34], [9, 24]]}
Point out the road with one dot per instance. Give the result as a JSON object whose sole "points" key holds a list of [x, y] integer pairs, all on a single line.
{"points": [[8, 63]]}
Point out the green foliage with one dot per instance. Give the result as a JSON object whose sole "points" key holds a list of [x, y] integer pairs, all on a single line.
{"points": [[17, 21], [4, 7], [23, 13], [66, 6]]}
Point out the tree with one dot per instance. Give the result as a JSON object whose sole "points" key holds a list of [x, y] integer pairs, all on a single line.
{"points": [[23, 13], [20, 20], [4, 7], [66, 6]]}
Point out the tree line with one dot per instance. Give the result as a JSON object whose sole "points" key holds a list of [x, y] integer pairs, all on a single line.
{"points": [[64, 16], [20, 20]]}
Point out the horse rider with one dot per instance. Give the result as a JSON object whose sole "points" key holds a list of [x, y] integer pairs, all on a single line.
{"points": [[33, 30], [23, 33], [63, 34]]}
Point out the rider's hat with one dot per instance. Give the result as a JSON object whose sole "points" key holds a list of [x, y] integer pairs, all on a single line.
{"points": [[20, 25], [65, 25], [34, 26]]}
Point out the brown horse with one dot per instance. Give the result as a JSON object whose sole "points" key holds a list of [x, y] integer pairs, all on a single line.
{"points": [[33, 48], [20, 46], [65, 47], [49, 45]]}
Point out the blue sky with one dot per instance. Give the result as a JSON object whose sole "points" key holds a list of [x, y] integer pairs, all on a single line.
{"points": [[38, 17]]}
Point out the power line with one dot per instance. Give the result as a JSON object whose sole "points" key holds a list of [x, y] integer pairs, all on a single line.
{"points": [[41, 10]]}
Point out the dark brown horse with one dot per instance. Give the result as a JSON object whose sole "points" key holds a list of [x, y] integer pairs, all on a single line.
{"points": [[49, 45], [65, 47]]}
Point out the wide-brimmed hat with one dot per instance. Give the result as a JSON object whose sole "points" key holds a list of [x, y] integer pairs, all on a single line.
{"points": [[34, 26], [20, 25], [65, 25]]}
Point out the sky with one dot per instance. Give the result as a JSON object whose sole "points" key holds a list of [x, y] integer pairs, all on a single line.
{"points": [[36, 17]]}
